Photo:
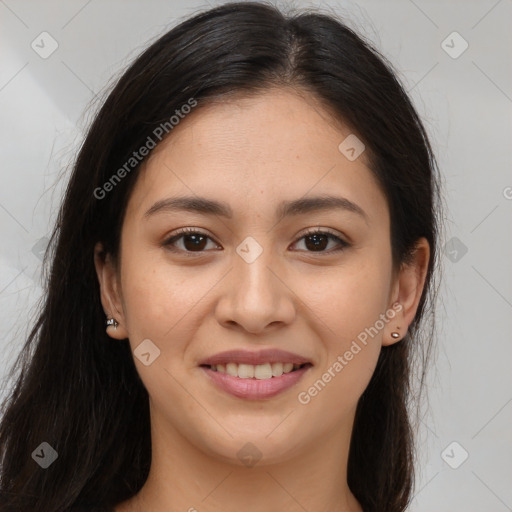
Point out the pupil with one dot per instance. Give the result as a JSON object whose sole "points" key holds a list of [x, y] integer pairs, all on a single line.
{"points": [[196, 238], [317, 244]]}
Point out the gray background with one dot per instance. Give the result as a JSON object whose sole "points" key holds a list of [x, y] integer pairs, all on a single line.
{"points": [[465, 100]]}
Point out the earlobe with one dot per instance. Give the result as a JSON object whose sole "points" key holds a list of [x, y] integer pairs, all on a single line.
{"points": [[407, 292], [109, 294]]}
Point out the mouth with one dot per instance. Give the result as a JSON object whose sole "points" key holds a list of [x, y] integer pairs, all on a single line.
{"points": [[255, 375], [263, 371]]}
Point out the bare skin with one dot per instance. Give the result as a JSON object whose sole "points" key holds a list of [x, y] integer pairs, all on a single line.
{"points": [[252, 153]]}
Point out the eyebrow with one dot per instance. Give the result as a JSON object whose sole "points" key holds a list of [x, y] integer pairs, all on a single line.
{"points": [[285, 208]]}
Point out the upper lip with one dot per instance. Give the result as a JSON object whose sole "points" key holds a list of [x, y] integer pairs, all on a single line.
{"points": [[254, 358]]}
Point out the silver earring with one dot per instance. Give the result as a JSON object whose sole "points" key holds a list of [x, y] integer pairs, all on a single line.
{"points": [[112, 321], [395, 335]]}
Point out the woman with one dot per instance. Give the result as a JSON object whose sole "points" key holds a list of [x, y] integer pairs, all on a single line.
{"points": [[253, 215]]}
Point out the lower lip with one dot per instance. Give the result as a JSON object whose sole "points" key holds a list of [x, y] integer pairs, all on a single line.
{"points": [[255, 389]]}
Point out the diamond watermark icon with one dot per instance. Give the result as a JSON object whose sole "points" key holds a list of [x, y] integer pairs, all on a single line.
{"points": [[351, 147], [44, 455], [455, 250], [146, 352], [44, 45], [454, 455], [454, 45], [39, 248], [249, 455], [249, 250]]}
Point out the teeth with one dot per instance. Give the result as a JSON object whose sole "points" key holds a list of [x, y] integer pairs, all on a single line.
{"points": [[287, 367], [277, 369], [246, 371], [232, 369], [263, 371], [259, 371]]}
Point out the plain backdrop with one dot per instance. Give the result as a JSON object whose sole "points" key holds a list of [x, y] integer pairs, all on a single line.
{"points": [[454, 58]]}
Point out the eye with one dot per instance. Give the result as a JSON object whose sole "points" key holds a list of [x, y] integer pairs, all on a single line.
{"points": [[193, 240], [317, 240]]}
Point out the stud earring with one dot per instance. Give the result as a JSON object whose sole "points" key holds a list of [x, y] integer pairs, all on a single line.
{"points": [[395, 335], [112, 321]]}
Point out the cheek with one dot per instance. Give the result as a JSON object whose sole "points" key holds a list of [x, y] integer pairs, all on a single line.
{"points": [[348, 299], [159, 302], [348, 305], [165, 303], [156, 296]]}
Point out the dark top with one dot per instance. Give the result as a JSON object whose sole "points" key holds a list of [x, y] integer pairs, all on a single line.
{"points": [[83, 508]]}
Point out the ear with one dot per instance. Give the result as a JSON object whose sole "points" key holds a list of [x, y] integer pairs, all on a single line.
{"points": [[111, 298], [406, 292]]}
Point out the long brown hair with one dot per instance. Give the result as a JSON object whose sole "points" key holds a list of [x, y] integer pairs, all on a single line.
{"points": [[81, 393]]}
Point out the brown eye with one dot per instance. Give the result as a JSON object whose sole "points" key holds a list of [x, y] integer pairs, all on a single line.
{"points": [[192, 241], [318, 241]]}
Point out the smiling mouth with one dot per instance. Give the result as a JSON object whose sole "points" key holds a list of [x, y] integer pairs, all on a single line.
{"points": [[263, 371], [255, 382]]}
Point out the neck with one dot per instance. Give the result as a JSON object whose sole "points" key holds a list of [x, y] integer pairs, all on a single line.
{"points": [[184, 478]]}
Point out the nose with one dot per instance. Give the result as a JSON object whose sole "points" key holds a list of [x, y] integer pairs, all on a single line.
{"points": [[256, 296]]}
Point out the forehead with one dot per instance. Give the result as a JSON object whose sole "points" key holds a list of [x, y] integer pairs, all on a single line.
{"points": [[252, 152]]}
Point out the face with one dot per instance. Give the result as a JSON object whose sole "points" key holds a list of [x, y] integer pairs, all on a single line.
{"points": [[255, 281]]}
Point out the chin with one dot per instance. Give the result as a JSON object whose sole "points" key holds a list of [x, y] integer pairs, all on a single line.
{"points": [[249, 448]]}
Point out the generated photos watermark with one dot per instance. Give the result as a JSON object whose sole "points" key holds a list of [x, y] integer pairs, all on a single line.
{"points": [[137, 156], [304, 397]]}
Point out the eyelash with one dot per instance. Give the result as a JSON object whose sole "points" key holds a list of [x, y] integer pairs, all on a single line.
{"points": [[193, 231]]}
